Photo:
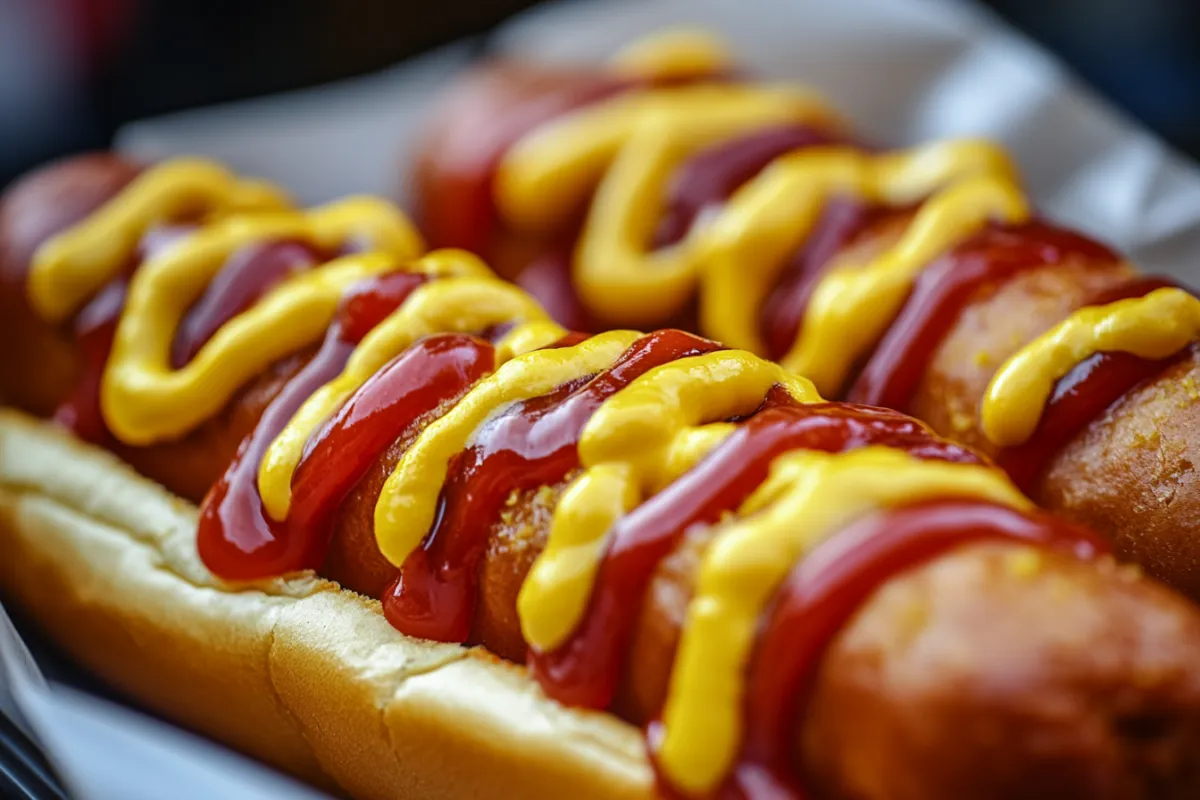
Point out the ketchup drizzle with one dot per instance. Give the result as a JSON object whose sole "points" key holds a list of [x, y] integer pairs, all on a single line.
{"points": [[434, 370], [1082, 395], [586, 671], [828, 586], [527, 445], [249, 273], [842, 221], [995, 254], [95, 328], [547, 278], [492, 114], [710, 177], [236, 539]]}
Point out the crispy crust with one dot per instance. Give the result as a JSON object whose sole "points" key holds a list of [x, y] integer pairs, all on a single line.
{"points": [[299, 673]]}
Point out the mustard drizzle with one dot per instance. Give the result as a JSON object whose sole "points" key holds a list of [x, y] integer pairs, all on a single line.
{"points": [[853, 305], [677, 53], [450, 305], [145, 400], [407, 504], [623, 151], [630, 449], [75, 264], [807, 496], [639, 440], [1155, 326]]}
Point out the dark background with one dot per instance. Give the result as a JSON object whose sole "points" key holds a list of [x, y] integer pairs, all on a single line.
{"points": [[73, 71]]}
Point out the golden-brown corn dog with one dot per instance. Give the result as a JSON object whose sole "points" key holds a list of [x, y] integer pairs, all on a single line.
{"points": [[919, 280], [494, 480]]}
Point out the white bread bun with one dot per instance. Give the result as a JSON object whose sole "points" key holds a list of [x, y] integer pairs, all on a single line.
{"points": [[299, 673]]}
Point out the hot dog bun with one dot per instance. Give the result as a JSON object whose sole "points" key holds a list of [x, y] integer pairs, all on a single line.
{"points": [[312, 679], [562, 411], [297, 672]]}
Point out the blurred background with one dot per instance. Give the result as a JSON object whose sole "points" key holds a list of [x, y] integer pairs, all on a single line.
{"points": [[73, 71]]}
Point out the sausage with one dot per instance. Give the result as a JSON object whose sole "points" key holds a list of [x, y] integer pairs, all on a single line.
{"points": [[1129, 475], [474, 123], [191, 465], [1125, 473], [1113, 662], [44, 371], [942, 663], [910, 703], [487, 112], [886, 667], [40, 373]]}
